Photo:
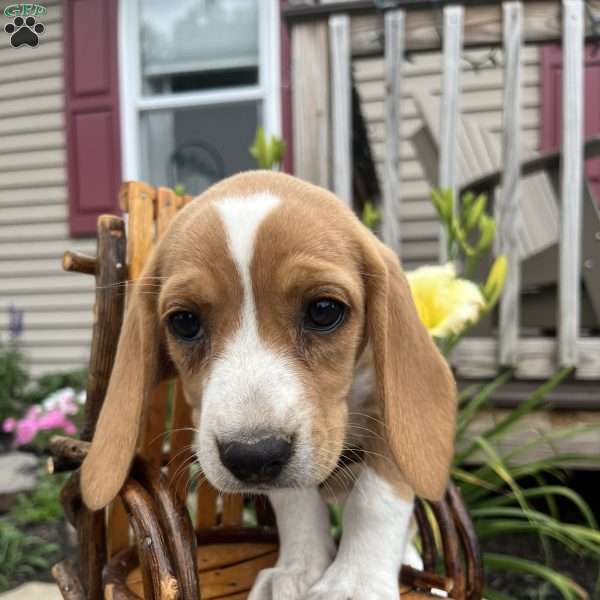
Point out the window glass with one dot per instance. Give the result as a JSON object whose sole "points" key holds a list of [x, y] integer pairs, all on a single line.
{"points": [[198, 146], [189, 45]]}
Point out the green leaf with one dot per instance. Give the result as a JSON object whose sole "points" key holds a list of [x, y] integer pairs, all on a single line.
{"points": [[542, 492], [371, 216], [525, 408], [475, 212], [565, 585], [444, 203], [268, 153], [469, 412]]}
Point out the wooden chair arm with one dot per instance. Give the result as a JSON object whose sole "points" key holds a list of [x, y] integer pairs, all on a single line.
{"points": [[177, 527], [158, 574], [470, 544], [462, 559]]}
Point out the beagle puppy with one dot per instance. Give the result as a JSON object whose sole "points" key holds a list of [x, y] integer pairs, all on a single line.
{"points": [[295, 336]]}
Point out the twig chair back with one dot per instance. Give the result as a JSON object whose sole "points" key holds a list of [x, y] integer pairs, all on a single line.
{"points": [[150, 211]]}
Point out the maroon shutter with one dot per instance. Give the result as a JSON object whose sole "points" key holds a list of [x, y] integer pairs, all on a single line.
{"points": [[551, 104], [91, 111]]}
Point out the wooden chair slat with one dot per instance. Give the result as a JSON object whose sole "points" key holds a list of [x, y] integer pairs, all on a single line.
{"points": [[181, 439], [206, 512], [217, 556], [140, 237], [166, 208], [233, 505], [117, 538], [234, 579], [128, 188], [229, 570]]}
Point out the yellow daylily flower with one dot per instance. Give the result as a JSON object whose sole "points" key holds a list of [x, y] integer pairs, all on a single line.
{"points": [[446, 304]]}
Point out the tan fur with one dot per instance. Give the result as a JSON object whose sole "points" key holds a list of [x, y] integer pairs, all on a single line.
{"points": [[310, 246]]}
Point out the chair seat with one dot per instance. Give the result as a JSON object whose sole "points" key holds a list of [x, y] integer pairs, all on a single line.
{"points": [[228, 571]]}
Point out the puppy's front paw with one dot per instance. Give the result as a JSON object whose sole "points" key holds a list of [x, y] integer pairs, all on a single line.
{"points": [[341, 583], [286, 582]]}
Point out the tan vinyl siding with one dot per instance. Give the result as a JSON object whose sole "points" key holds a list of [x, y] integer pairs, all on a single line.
{"points": [[481, 100], [33, 208]]}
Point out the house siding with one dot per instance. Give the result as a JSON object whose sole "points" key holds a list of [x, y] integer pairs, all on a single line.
{"points": [[34, 233], [481, 100]]}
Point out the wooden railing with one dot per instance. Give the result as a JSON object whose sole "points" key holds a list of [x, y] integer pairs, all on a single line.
{"points": [[508, 25]]}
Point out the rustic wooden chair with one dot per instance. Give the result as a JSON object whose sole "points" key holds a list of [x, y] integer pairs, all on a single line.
{"points": [[145, 545]]}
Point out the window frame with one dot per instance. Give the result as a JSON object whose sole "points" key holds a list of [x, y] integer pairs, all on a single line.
{"points": [[133, 103]]}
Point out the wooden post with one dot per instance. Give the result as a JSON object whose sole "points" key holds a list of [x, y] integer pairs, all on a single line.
{"points": [[450, 107], [310, 102], [571, 182], [111, 275], [394, 59], [507, 205], [341, 106]]}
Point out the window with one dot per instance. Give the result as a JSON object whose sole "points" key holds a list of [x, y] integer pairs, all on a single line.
{"points": [[197, 78]]}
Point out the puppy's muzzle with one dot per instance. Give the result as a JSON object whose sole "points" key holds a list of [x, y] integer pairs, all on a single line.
{"points": [[258, 461]]}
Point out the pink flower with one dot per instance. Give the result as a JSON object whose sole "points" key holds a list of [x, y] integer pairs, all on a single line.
{"points": [[9, 424], [55, 419], [37, 419], [26, 430]]}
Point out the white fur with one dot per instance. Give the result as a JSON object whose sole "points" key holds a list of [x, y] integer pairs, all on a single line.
{"points": [[375, 533], [306, 545], [251, 388]]}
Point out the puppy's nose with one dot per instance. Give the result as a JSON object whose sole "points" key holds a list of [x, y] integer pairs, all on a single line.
{"points": [[259, 462]]}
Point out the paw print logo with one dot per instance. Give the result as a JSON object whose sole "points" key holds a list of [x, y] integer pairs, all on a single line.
{"points": [[24, 32]]}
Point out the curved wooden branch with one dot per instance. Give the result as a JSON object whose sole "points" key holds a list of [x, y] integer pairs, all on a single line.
{"points": [[426, 535], [470, 544], [115, 576], [177, 526], [68, 583], [67, 453], [450, 541], [78, 263], [158, 575], [422, 580]]}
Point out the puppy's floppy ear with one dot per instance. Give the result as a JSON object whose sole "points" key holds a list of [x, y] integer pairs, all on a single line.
{"points": [[415, 386], [134, 375]]}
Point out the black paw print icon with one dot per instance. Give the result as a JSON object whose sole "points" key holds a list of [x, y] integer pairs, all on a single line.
{"points": [[24, 32]]}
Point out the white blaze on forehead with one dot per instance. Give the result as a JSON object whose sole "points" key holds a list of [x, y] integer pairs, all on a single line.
{"points": [[242, 218], [250, 385]]}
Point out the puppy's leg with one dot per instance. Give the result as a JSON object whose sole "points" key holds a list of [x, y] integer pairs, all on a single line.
{"points": [[306, 547], [375, 530]]}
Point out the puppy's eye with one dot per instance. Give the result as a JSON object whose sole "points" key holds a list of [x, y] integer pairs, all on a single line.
{"points": [[185, 325], [324, 315]]}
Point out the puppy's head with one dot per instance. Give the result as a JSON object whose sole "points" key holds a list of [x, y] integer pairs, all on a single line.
{"points": [[264, 292]]}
